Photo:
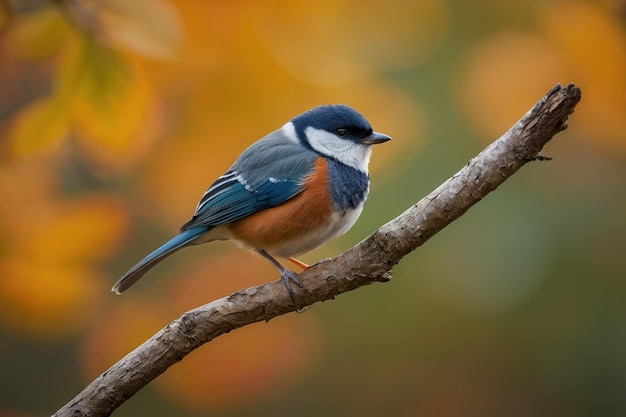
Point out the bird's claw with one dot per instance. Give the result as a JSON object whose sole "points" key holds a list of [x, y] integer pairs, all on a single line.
{"points": [[288, 277]]}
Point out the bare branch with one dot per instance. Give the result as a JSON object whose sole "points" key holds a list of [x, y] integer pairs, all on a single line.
{"points": [[370, 261]]}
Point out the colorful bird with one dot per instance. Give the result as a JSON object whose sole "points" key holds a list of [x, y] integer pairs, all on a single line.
{"points": [[285, 195]]}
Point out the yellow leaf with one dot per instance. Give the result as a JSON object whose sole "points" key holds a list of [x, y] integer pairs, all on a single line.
{"points": [[112, 101], [40, 127], [45, 123]]}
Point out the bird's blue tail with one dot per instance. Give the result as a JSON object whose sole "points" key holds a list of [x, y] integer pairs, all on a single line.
{"points": [[178, 242]]}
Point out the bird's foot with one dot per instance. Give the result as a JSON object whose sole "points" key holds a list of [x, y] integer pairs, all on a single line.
{"points": [[288, 277]]}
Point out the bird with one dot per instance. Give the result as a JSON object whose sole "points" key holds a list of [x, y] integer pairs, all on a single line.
{"points": [[286, 194]]}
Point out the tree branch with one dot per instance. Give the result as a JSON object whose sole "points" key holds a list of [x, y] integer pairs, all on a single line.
{"points": [[369, 261]]}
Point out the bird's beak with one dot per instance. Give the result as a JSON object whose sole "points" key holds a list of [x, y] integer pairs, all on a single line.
{"points": [[375, 138]]}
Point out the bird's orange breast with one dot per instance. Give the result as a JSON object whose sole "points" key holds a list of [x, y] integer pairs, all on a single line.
{"points": [[302, 215]]}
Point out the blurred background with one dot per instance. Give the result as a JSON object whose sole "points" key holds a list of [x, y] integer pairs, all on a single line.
{"points": [[115, 117]]}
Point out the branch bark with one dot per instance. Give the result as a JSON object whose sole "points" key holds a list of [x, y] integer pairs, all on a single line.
{"points": [[369, 261]]}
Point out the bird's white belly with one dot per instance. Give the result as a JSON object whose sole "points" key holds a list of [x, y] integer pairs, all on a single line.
{"points": [[337, 225]]}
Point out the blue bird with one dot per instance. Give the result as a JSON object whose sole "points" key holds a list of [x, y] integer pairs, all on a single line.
{"points": [[285, 195]]}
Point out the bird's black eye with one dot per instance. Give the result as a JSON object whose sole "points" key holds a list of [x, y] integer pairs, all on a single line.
{"points": [[342, 132]]}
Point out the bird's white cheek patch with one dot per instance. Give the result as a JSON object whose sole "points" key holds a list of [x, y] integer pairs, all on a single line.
{"points": [[348, 152]]}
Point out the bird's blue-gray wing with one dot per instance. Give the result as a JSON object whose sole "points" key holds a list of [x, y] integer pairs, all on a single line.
{"points": [[268, 173]]}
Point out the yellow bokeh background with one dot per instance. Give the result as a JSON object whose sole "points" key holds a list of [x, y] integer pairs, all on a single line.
{"points": [[116, 116]]}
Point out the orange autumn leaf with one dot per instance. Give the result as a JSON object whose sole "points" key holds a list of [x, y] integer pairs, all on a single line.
{"points": [[86, 230], [28, 190], [49, 285], [46, 300], [592, 44], [112, 99]]}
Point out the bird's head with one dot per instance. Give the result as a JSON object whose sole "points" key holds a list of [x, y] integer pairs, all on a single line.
{"points": [[337, 131]]}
